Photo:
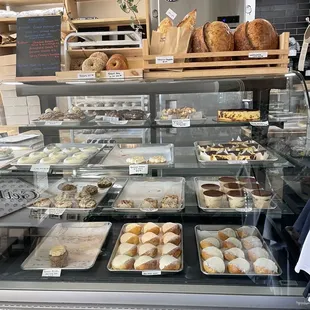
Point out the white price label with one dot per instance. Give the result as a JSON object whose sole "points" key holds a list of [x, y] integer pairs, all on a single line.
{"points": [[258, 55], [151, 273], [237, 162], [307, 73], [161, 60], [51, 272], [53, 123], [181, 123], [148, 210], [171, 14], [55, 211], [259, 124], [40, 168], [115, 75], [86, 76], [118, 122], [138, 169], [110, 119]]}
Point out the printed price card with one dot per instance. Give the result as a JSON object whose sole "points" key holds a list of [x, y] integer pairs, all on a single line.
{"points": [[161, 60], [51, 272], [138, 169], [181, 123]]}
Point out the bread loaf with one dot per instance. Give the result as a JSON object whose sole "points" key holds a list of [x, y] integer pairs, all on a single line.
{"points": [[164, 26], [189, 21]]}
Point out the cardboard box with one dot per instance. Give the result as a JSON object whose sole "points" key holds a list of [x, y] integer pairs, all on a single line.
{"points": [[17, 120], [33, 101], [34, 110], [17, 101], [8, 93], [16, 110]]}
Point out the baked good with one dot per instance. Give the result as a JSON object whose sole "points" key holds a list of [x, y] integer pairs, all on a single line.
{"points": [[133, 228], [5, 152], [214, 265], [238, 115], [210, 241], [125, 204], [164, 26], [117, 62], [265, 266], [26, 160], [87, 203], [189, 21], [148, 249], [246, 180], [150, 237], [246, 231], [129, 238], [79, 196], [136, 160], [171, 237], [71, 150], [170, 202], [171, 227], [58, 256], [89, 149], [251, 242], [149, 203], [104, 183], [232, 242], [49, 160], [81, 155], [151, 227], [146, 263], [90, 189], [58, 155], [238, 266], [63, 203], [211, 251], [123, 262], [233, 253], [168, 262], [199, 43], [158, 159], [101, 55], [127, 249], [171, 249], [256, 253], [76, 64], [258, 34], [226, 233], [73, 161], [42, 203], [93, 65], [39, 155], [51, 148]]}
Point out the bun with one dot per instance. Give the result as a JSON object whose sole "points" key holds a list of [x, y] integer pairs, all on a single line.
{"points": [[246, 231], [251, 242], [171, 227], [211, 251], [232, 243], [189, 21], [171, 238], [238, 266], [127, 249], [145, 263], [123, 262], [226, 233], [148, 249], [150, 237], [265, 266], [151, 227], [168, 262], [214, 265], [171, 249], [133, 228], [93, 64], [233, 253], [164, 26], [117, 62], [129, 238], [258, 34], [103, 56], [76, 63], [210, 241], [256, 253]]}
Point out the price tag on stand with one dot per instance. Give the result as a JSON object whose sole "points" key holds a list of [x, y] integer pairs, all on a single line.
{"points": [[161, 60], [259, 124], [115, 75], [86, 75], [237, 162], [51, 272], [151, 273], [55, 211], [40, 168], [138, 169], [181, 123], [171, 14], [53, 123], [258, 55]]}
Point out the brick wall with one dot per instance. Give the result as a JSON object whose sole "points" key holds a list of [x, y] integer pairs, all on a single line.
{"points": [[286, 15]]}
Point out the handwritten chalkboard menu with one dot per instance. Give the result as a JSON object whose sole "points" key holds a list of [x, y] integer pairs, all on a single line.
{"points": [[38, 46]]}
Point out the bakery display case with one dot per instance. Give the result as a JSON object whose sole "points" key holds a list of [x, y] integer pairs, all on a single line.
{"points": [[170, 194]]}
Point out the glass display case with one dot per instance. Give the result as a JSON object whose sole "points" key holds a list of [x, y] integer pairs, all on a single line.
{"points": [[153, 194]]}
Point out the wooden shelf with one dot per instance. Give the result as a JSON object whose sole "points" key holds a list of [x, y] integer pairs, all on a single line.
{"points": [[9, 20], [8, 45], [105, 22], [28, 2]]}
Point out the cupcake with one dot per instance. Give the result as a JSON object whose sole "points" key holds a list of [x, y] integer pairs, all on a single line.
{"points": [[261, 199], [214, 199], [214, 265], [225, 180], [236, 199], [249, 187]]}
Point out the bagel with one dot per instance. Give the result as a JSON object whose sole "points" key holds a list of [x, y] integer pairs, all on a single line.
{"points": [[93, 65], [103, 56], [76, 64], [117, 62]]}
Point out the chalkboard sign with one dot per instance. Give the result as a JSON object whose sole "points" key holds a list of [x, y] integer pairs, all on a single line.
{"points": [[38, 46]]}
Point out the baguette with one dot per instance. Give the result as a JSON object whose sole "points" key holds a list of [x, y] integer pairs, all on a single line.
{"points": [[189, 21]]}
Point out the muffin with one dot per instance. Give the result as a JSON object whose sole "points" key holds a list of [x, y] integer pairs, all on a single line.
{"points": [[150, 237], [238, 266], [251, 242], [226, 233], [233, 253], [246, 231], [265, 266], [58, 256], [211, 251], [232, 243], [171, 249], [145, 263], [171, 237], [170, 227], [133, 228], [148, 249], [151, 227], [168, 262], [127, 249], [214, 265], [129, 238], [256, 253], [123, 262], [210, 241]]}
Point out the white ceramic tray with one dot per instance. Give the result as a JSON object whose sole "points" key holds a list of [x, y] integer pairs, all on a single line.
{"points": [[137, 189], [82, 240]]}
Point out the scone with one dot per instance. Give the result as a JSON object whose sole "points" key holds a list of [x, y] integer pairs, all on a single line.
{"points": [[251, 242], [42, 203], [171, 237], [146, 263], [123, 262], [226, 233], [127, 249], [151, 238], [104, 183], [90, 189], [133, 228], [129, 238], [232, 243], [210, 241], [171, 249], [238, 266], [151, 227], [148, 249], [58, 256], [149, 203], [125, 204], [211, 251], [256, 253], [265, 266], [87, 203], [233, 253], [214, 265], [168, 262], [171, 227], [246, 231], [170, 202]]}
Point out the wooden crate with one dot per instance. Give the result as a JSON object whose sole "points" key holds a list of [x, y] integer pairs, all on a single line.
{"points": [[235, 67]]}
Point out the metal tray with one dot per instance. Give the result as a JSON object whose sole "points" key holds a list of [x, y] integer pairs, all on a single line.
{"points": [[18, 151], [249, 205], [205, 231], [63, 165], [272, 156], [82, 240], [117, 157], [128, 122], [155, 188], [17, 138], [198, 120], [79, 183], [114, 253], [63, 123]]}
